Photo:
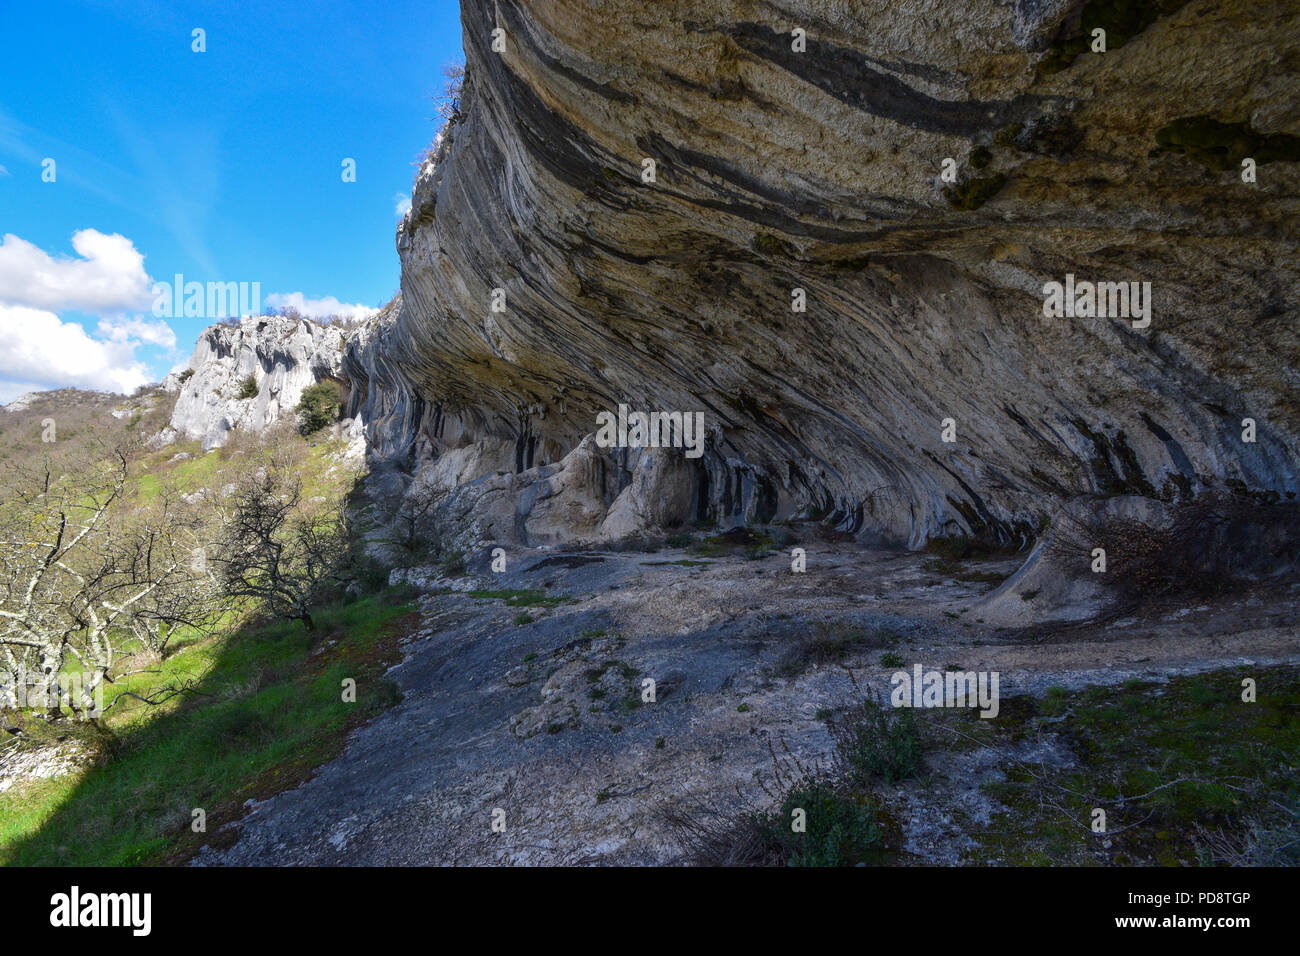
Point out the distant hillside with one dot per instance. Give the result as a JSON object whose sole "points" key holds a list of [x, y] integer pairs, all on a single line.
{"points": [[72, 424]]}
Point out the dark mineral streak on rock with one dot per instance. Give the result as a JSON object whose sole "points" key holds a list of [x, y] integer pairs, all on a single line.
{"points": [[820, 171]]}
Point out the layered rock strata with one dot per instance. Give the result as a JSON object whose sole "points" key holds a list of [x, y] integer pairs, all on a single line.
{"points": [[798, 152]]}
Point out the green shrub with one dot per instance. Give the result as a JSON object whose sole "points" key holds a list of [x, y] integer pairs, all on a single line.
{"points": [[247, 388], [319, 407], [368, 574], [842, 828], [872, 742]]}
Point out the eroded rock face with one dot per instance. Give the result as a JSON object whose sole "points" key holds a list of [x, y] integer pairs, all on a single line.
{"points": [[282, 356], [820, 170]]}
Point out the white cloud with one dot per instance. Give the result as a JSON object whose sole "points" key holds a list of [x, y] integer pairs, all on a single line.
{"points": [[41, 351], [109, 276], [403, 204], [142, 330], [3, 171], [318, 308]]}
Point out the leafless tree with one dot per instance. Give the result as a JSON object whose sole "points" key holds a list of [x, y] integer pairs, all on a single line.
{"points": [[89, 580], [275, 550], [411, 525], [449, 104]]}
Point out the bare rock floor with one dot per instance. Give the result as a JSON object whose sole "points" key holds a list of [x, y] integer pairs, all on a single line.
{"points": [[543, 718]]}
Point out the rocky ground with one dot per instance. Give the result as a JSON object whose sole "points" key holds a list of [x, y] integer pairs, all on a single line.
{"points": [[43, 763], [522, 692]]}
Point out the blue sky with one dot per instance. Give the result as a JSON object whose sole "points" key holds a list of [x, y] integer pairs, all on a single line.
{"points": [[223, 165]]}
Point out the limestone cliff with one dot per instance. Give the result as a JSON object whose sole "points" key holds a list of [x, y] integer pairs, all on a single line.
{"points": [[818, 166], [246, 376]]}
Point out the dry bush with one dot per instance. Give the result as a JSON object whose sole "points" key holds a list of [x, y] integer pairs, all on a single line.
{"points": [[845, 825], [339, 320], [1205, 546], [420, 534], [1268, 839], [279, 443], [722, 836], [830, 643], [449, 104], [276, 550]]}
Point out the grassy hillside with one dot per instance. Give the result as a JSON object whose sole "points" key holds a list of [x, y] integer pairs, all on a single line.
{"points": [[265, 709], [223, 716]]}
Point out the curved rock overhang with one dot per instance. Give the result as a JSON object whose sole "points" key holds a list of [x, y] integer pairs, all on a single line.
{"points": [[546, 278]]}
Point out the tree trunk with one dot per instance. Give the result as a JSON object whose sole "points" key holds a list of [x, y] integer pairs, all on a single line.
{"points": [[51, 664], [92, 694]]}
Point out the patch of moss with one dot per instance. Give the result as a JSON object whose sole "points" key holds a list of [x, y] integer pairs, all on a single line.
{"points": [[732, 542], [1222, 146], [1176, 762], [527, 597], [954, 568], [980, 157], [770, 245], [1007, 136], [955, 548], [625, 669], [1121, 19], [974, 193]]}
